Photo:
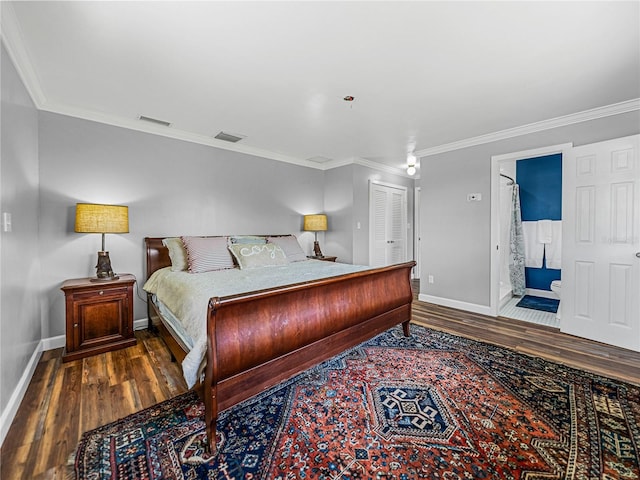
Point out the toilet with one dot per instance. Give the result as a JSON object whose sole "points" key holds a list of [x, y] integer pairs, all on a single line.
{"points": [[556, 286]]}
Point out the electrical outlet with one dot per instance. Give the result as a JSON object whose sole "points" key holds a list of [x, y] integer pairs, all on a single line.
{"points": [[430, 278], [474, 197]]}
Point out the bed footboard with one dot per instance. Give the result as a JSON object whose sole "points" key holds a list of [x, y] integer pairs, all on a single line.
{"points": [[259, 339]]}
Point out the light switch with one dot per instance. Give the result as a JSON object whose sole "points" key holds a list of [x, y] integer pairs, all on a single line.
{"points": [[6, 222]]}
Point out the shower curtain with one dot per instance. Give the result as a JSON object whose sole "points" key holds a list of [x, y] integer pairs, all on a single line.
{"points": [[516, 245]]}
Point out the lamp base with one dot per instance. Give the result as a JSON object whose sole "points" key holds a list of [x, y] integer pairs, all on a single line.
{"points": [[316, 250], [104, 272]]}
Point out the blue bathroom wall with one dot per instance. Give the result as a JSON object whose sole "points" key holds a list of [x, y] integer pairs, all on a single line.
{"points": [[540, 181]]}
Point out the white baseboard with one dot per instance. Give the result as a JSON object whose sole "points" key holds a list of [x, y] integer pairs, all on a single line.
{"points": [[9, 412], [51, 343], [447, 302], [141, 324]]}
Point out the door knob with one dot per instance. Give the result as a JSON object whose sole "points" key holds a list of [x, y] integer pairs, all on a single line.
{"points": [[638, 254]]}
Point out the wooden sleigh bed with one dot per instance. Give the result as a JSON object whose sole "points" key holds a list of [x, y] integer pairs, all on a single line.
{"points": [[258, 339]]}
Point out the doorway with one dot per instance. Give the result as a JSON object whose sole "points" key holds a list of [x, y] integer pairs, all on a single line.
{"points": [[388, 224], [504, 180]]}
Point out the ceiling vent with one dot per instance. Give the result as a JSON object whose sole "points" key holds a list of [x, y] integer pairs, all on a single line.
{"points": [[319, 159], [228, 137], [154, 120]]}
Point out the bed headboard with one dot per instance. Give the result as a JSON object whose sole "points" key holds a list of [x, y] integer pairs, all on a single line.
{"points": [[157, 254]]}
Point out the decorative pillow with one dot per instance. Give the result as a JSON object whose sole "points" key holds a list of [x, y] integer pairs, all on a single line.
{"points": [[177, 253], [291, 247], [248, 239], [256, 255], [205, 254]]}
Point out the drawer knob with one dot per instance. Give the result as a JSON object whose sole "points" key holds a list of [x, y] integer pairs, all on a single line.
{"points": [[75, 325], [101, 292]]}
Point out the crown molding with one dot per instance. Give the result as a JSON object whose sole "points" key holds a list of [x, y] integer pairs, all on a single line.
{"points": [[584, 116], [13, 41], [369, 164], [12, 38], [171, 132]]}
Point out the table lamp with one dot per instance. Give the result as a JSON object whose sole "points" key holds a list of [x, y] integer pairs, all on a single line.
{"points": [[96, 218], [315, 223]]}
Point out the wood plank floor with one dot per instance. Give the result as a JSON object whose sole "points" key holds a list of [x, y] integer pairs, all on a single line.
{"points": [[531, 339], [65, 399]]}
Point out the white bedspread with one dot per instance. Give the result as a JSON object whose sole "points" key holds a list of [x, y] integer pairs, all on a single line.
{"points": [[187, 295]]}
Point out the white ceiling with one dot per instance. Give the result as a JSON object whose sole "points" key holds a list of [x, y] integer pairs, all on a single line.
{"points": [[423, 74]]}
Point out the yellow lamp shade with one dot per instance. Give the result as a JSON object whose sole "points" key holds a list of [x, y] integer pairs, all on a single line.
{"points": [[315, 223], [96, 218]]}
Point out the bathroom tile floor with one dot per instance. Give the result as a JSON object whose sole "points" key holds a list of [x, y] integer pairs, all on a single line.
{"points": [[535, 316]]}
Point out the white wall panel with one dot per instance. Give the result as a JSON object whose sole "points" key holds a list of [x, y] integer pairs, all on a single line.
{"points": [[585, 166], [622, 200], [622, 160], [585, 214], [584, 284], [619, 294]]}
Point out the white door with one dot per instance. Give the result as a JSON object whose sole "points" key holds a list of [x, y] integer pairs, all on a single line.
{"points": [[601, 243], [388, 224]]}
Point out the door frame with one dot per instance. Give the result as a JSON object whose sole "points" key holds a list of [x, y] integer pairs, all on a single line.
{"points": [[496, 160], [416, 232]]}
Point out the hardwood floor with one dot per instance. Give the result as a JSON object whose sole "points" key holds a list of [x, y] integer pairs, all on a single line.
{"points": [[65, 399], [531, 339]]}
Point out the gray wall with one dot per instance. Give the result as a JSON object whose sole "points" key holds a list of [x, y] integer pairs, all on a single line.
{"points": [[20, 327], [456, 234], [347, 204], [338, 205], [171, 187], [362, 176]]}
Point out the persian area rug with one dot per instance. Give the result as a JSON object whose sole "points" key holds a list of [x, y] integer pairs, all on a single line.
{"points": [[430, 406], [539, 303]]}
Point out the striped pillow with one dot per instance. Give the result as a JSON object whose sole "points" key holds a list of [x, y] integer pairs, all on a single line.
{"points": [[205, 254]]}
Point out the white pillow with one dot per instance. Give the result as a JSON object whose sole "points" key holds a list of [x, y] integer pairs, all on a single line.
{"points": [[258, 255], [291, 247], [177, 253]]}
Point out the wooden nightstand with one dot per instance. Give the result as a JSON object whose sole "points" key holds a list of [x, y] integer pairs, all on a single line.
{"points": [[324, 259], [99, 316]]}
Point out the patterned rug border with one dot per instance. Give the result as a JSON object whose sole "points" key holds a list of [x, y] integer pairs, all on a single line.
{"points": [[455, 342]]}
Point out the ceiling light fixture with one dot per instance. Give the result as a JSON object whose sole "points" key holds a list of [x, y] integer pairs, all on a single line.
{"points": [[411, 164]]}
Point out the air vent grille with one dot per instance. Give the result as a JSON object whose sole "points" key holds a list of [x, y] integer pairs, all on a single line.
{"points": [[154, 120], [319, 159], [229, 137]]}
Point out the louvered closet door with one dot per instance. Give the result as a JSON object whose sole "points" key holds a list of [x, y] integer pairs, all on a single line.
{"points": [[388, 220], [601, 243]]}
